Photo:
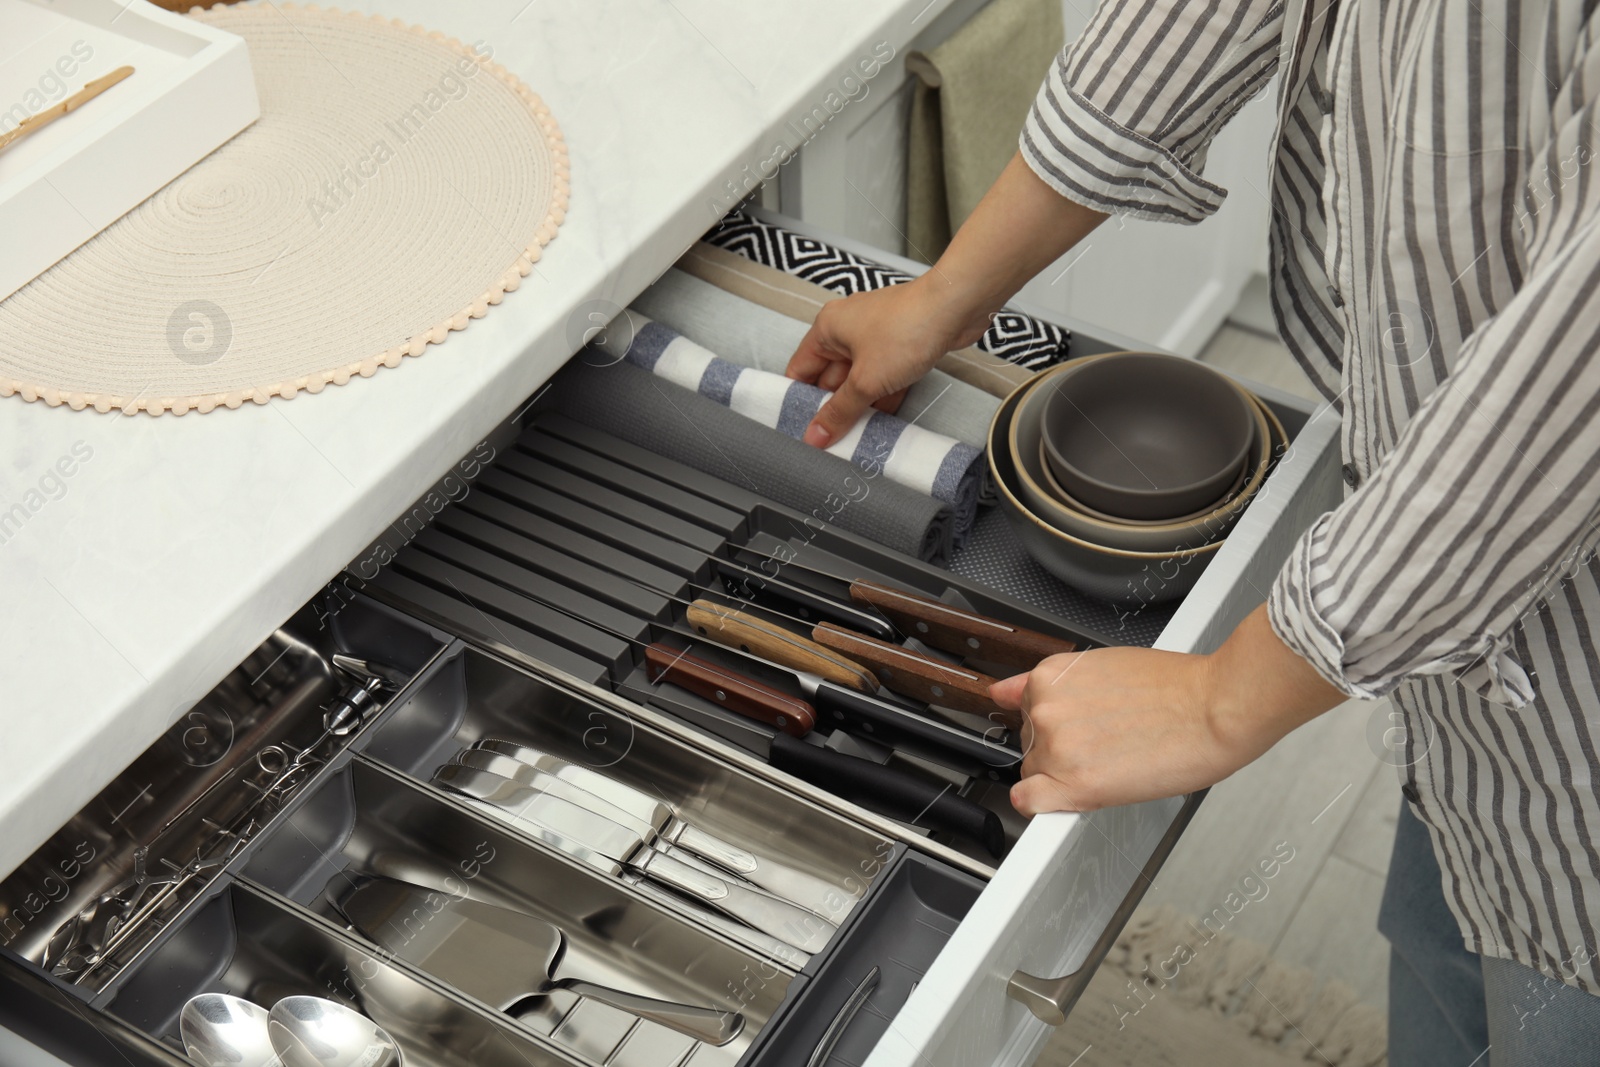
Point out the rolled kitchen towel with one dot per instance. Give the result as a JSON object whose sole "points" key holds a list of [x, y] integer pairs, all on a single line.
{"points": [[1013, 336], [653, 413], [753, 336], [942, 467]]}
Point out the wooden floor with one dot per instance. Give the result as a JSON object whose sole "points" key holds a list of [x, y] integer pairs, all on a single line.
{"points": [[1325, 792]]}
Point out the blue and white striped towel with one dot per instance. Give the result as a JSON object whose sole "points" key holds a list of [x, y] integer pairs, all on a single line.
{"points": [[931, 463]]}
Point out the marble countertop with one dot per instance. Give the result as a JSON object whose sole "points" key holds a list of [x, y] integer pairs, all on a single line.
{"points": [[178, 544]]}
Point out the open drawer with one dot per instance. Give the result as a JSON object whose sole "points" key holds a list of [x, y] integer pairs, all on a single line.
{"points": [[513, 624]]}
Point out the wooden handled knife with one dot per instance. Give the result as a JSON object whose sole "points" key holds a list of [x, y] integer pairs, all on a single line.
{"points": [[963, 633], [770, 641], [917, 676], [733, 691]]}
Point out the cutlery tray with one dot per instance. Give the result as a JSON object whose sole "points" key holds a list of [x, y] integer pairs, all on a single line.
{"points": [[264, 925]]}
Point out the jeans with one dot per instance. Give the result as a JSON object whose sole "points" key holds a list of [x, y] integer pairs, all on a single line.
{"points": [[1452, 1008]]}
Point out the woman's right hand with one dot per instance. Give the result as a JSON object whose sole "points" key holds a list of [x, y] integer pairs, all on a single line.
{"points": [[869, 348]]}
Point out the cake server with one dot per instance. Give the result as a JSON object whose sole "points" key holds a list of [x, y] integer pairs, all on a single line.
{"points": [[501, 957]]}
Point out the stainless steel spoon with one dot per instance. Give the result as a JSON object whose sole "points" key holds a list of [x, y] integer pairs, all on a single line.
{"points": [[223, 1031], [313, 1032]]}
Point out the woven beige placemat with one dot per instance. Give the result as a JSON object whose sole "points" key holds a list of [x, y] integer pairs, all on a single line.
{"points": [[397, 184]]}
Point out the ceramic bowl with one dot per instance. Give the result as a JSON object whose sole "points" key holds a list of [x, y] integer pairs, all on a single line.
{"points": [[1144, 435], [1113, 574], [1033, 475], [1066, 499]]}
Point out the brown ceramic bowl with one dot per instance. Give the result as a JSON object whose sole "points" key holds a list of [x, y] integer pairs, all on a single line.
{"points": [[1112, 574], [1144, 435], [1025, 441]]}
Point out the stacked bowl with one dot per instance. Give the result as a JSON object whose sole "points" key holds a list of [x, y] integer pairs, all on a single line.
{"points": [[1123, 472]]}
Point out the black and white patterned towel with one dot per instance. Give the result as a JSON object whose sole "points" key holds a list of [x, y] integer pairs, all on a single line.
{"points": [[1012, 336]]}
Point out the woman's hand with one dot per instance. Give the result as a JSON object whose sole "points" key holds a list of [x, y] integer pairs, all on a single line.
{"points": [[1120, 725], [868, 349]]}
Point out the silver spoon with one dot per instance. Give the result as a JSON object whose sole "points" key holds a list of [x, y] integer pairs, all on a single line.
{"points": [[313, 1032], [223, 1031]]}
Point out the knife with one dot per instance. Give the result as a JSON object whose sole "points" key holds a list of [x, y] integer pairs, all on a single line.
{"points": [[755, 585], [954, 630], [899, 794], [937, 624], [915, 675], [737, 629], [585, 835], [890, 791], [637, 810], [833, 706]]}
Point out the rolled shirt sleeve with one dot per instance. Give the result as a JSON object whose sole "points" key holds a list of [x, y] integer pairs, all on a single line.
{"points": [[1490, 497], [1125, 116]]}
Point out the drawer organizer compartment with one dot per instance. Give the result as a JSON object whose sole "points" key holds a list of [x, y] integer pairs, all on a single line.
{"points": [[367, 820], [246, 943], [102, 889], [824, 862]]}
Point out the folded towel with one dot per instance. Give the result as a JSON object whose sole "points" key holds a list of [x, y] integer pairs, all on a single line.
{"points": [[944, 468], [1013, 336], [972, 94], [682, 425]]}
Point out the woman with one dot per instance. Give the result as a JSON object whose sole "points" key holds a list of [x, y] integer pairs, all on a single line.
{"points": [[1436, 271]]}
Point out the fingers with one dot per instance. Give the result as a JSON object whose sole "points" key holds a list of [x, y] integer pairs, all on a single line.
{"points": [[891, 403], [1039, 793], [1008, 691], [842, 410], [834, 375], [811, 359]]}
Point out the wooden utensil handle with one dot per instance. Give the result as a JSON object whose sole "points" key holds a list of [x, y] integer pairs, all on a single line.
{"points": [[744, 695], [770, 641], [904, 671], [964, 633]]}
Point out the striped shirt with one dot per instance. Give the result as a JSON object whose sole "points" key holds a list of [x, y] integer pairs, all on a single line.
{"points": [[1435, 238]]}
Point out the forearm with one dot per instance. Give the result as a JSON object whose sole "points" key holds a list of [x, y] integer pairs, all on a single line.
{"points": [[1018, 229], [1257, 688]]}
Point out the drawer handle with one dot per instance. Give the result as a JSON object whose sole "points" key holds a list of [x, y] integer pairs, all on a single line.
{"points": [[1048, 998], [1051, 998]]}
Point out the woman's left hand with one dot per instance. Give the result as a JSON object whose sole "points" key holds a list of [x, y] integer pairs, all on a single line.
{"points": [[1120, 725]]}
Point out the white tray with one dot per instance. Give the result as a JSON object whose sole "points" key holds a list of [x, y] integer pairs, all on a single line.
{"points": [[191, 90]]}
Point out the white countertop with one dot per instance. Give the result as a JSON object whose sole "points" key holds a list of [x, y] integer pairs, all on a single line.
{"points": [[182, 542]]}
